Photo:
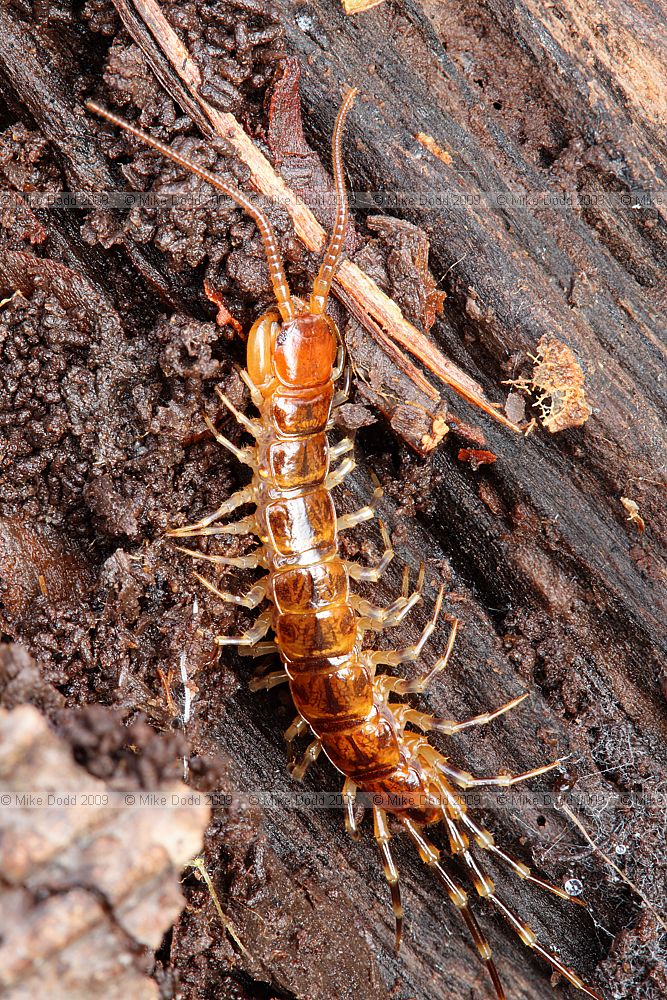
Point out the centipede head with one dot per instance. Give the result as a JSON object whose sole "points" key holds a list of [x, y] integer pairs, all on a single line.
{"points": [[294, 344], [297, 354]]}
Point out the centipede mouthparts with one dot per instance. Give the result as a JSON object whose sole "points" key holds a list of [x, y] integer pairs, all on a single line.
{"points": [[359, 717]]}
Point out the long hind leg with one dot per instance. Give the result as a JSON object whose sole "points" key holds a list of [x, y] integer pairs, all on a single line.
{"points": [[383, 836], [430, 855], [486, 889], [456, 813]]}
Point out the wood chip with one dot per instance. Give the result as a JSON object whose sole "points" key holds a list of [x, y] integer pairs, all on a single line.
{"points": [[358, 6], [633, 514]]}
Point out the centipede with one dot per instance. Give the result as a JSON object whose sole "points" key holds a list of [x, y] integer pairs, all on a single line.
{"points": [[356, 714]]}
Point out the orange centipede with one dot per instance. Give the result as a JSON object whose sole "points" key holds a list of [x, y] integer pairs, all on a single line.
{"points": [[295, 356]]}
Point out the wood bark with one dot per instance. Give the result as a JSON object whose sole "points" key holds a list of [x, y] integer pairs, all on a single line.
{"points": [[527, 141]]}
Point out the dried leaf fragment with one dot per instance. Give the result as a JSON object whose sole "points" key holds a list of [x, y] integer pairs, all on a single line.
{"points": [[633, 514], [558, 383]]}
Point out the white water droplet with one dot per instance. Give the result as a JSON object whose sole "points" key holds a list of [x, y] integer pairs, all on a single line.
{"points": [[574, 887], [621, 849]]}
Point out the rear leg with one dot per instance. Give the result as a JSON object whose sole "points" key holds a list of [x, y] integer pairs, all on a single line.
{"points": [[486, 889], [430, 855], [383, 836], [456, 813]]}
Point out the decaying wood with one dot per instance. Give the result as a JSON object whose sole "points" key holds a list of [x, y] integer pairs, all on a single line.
{"points": [[370, 301], [90, 875], [525, 141]]}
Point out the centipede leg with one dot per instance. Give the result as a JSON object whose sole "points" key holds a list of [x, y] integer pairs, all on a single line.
{"points": [[255, 394], [486, 889], [419, 684], [244, 455], [371, 574], [251, 600], [430, 856], [484, 839], [298, 728], [268, 648], [338, 475], [373, 617], [251, 561], [349, 797], [383, 836], [529, 938], [249, 638], [238, 499], [433, 723], [342, 393], [311, 754], [395, 656], [264, 682], [246, 526], [252, 426], [465, 780], [361, 515]]}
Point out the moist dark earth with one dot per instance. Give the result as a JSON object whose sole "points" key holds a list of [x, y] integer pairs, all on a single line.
{"points": [[118, 321]]}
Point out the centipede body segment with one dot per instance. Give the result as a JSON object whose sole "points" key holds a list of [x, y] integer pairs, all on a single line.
{"points": [[356, 714]]}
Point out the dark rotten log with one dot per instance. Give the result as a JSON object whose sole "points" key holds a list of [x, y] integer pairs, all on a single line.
{"points": [[559, 593]]}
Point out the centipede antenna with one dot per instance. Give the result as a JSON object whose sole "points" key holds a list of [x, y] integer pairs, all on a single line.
{"points": [[322, 283], [274, 260]]}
